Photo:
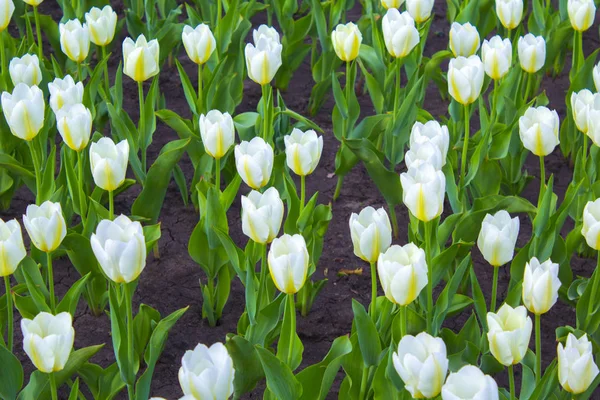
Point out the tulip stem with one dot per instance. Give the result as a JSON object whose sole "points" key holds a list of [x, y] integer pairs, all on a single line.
{"points": [[511, 380], [106, 78], [292, 310], [542, 179], [267, 96], [396, 100], [373, 289], [79, 72], [403, 320], [302, 192], [200, 108], [50, 281], [36, 168], [363, 383], [111, 205], [9, 308], [218, 173], [530, 78], [463, 167], [82, 199], [2, 61], [494, 289], [594, 278], [262, 284], [141, 125], [38, 32], [130, 354], [219, 12], [429, 276], [538, 349], [53, 388]]}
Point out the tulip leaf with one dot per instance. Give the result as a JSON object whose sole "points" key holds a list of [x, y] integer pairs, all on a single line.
{"points": [[368, 338], [248, 368], [267, 320], [71, 299], [281, 382], [119, 333], [340, 100], [444, 301], [289, 343], [36, 294], [11, 379], [74, 390], [545, 209], [182, 126]]}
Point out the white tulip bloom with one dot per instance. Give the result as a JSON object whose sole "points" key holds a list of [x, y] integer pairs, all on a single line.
{"points": [[25, 70], [424, 188], [7, 8], [510, 12], [539, 129], [424, 153], [576, 367], [540, 285], [262, 214], [12, 249], [24, 111], [74, 40], [371, 233], [64, 92], [45, 225], [303, 151], [420, 10], [596, 76], [497, 238], [217, 132], [263, 58], [402, 271], [48, 340], [387, 4], [399, 33], [199, 43], [465, 79], [254, 162], [101, 25], [582, 103], [207, 373], [346, 40], [581, 14], [532, 52], [591, 224], [469, 383], [464, 39], [141, 58], [288, 263], [433, 132], [496, 55], [509, 334], [108, 162], [74, 123]]}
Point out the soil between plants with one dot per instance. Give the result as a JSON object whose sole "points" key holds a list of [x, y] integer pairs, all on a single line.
{"points": [[172, 281]]}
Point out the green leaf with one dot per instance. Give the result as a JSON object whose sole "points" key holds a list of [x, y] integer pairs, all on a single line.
{"points": [[338, 94], [288, 338], [280, 380], [248, 368], [368, 338], [71, 299], [443, 303], [11, 378]]}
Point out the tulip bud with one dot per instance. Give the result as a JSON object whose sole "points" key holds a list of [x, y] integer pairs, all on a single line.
{"points": [[254, 162], [532, 52], [509, 334], [538, 129], [120, 248], [101, 24], [510, 12], [422, 363], [48, 340], [24, 111], [496, 55], [464, 39], [141, 58], [596, 76], [465, 79], [7, 7], [33, 3], [207, 373], [433, 132], [387, 4], [12, 249], [288, 263], [74, 40], [199, 43], [64, 92], [303, 151], [346, 41], [402, 271], [74, 124], [263, 58], [591, 224], [581, 14], [592, 124], [540, 285], [497, 238], [25, 70], [262, 214], [108, 162], [582, 103], [424, 188], [420, 10], [371, 233], [469, 383], [217, 132], [399, 33], [45, 225], [576, 367], [425, 153]]}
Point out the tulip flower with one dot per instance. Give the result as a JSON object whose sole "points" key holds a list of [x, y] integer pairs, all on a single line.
{"points": [[217, 132], [464, 39], [423, 193], [141, 58], [596, 76], [591, 224], [199, 43], [403, 273], [207, 373], [497, 238], [510, 12], [108, 162], [25, 70], [465, 79], [425, 153], [433, 132], [7, 7], [371, 233], [420, 10], [469, 383], [101, 25], [399, 33], [288, 263], [422, 363], [346, 41], [254, 162], [12, 250], [75, 41], [64, 92], [532, 52], [74, 124], [576, 367], [263, 58], [303, 151], [387, 4], [24, 111], [120, 248], [581, 14], [581, 104], [45, 225], [496, 55], [262, 214], [509, 334]]}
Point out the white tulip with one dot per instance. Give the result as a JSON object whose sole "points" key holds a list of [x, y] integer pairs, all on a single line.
{"points": [[101, 25], [433, 132], [469, 383], [591, 224], [120, 248], [497, 238], [387, 4], [540, 285], [199, 43], [262, 214], [464, 39], [263, 58], [510, 12], [64, 92], [399, 33], [465, 79], [74, 40], [207, 373], [7, 8], [141, 58], [217, 132], [48, 340], [346, 41], [303, 151], [25, 70], [532, 52], [422, 363], [576, 367], [593, 124], [371, 233], [265, 32], [402, 271], [24, 111], [596, 76], [45, 225], [582, 103], [254, 162], [581, 14], [424, 153], [108, 162], [288, 263], [424, 188], [496, 55], [538, 129], [12, 249], [420, 10], [509, 334], [74, 124]]}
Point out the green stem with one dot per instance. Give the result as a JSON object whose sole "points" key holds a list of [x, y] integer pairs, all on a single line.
{"points": [[403, 321], [106, 78], [585, 151], [51, 281], [9, 317], [2, 61], [395, 110], [511, 379], [130, 354], [141, 125], [347, 90], [363, 383], [463, 163], [373, 289], [36, 167], [29, 30], [494, 289], [577, 45], [200, 95], [53, 387], [292, 309], [79, 72], [429, 276], [218, 173], [538, 349], [262, 286], [338, 187], [594, 278], [219, 12], [542, 179], [111, 205], [82, 197], [530, 78], [38, 32], [302, 192]]}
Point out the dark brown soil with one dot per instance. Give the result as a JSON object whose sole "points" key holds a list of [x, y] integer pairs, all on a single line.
{"points": [[172, 282]]}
